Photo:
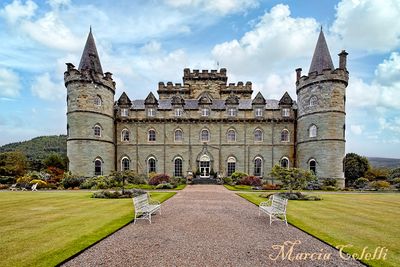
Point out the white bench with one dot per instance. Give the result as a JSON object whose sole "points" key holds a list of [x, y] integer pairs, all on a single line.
{"points": [[34, 187], [145, 207], [13, 187], [275, 207]]}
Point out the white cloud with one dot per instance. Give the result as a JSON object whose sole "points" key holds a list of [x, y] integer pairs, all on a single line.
{"points": [[216, 6], [17, 10], [45, 88], [356, 129], [275, 40], [388, 72], [369, 25], [10, 85], [58, 3]]}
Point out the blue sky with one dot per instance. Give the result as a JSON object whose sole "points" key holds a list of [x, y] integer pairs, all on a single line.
{"points": [[144, 42]]}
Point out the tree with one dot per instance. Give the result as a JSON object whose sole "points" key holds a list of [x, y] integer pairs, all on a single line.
{"points": [[13, 163], [55, 160], [292, 178], [394, 173], [355, 166], [377, 174]]}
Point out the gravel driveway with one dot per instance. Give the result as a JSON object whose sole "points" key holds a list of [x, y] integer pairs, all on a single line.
{"points": [[207, 225]]}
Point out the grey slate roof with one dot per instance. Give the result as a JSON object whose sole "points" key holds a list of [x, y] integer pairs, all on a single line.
{"points": [[322, 58], [90, 59]]}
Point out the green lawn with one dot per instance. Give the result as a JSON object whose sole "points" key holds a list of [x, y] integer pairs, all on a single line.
{"points": [[45, 228], [360, 220]]}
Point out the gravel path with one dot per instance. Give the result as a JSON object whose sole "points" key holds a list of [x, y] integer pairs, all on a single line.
{"points": [[206, 225]]}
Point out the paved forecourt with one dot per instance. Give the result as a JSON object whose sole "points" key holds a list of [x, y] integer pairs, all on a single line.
{"points": [[207, 225]]}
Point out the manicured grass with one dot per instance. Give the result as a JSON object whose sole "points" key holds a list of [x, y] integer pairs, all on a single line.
{"points": [[152, 187], [246, 188], [360, 220], [45, 228]]}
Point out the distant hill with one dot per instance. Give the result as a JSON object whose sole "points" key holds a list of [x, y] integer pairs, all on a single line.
{"points": [[384, 162], [40, 147]]}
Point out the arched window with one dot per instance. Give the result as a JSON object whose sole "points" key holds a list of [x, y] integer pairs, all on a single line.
{"points": [[284, 162], [178, 135], [151, 165], [67, 130], [97, 130], [258, 162], [258, 135], [231, 165], [312, 131], [204, 135], [98, 170], [125, 135], [313, 101], [285, 136], [313, 166], [231, 135], [178, 167], [97, 100], [125, 162], [152, 135], [344, 131]]}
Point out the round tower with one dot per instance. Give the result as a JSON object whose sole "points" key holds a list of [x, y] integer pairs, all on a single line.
{"points": [[90, 115], [321, 115]]}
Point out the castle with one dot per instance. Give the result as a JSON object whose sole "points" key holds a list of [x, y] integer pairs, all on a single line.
{"points": [[204, 126]]}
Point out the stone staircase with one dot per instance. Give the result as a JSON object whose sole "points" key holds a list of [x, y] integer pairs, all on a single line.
{"points": [[199, 180]]}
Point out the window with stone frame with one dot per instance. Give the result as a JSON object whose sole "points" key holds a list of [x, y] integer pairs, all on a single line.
{"points": [[178, 112], [284, 163], [258, 135], [125, 135], [178, 167], [258, 112], [204, 135], [313, 131], [98, 170], [313, 166], [313, 101], [97, 100], [205, 112], [231, 168], [231, 135], [97, 130], [258, 162], [152, 135], [151, 112], [232, 112], [125, 162], [285, 135], [285, 112], [178, 135], [124, 112], [151, 165]]}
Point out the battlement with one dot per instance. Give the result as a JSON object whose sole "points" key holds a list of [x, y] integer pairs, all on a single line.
{"points": [[237, 88], [73, 75], [341, 75], [204, 75]]}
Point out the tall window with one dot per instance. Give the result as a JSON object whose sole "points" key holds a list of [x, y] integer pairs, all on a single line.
{"points": [[258, 135], [152, 135], [313, 101], [151, 112], [285, 162], [258, 112], [151, 165], [178, 112], [258, 167], [97, 100], [231, 165], [67, 130], [205, 135], [124, 112], [125, 135], [313, 166], [178, 136], [97, 131], [232, 112], [285, 136], [125, 162], [286, 112], [178, 167], [205, 112], [313, 131], [97, 167], [231, 135]]}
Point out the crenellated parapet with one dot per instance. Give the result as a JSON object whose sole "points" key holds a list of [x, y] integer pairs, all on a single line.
{"points": [[239, 88], [204, 75], [87, 76], [338, 75], [167, 90]]}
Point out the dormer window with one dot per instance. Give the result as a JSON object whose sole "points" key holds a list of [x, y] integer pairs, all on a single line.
{"points": [[205, 112], [258, 112], [178, 112], [124, 112], [232, 112], [286, 112], [151, 112]]}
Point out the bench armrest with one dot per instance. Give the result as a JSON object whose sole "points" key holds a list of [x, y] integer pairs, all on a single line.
{"points": [[152, 201], [265, 203]]}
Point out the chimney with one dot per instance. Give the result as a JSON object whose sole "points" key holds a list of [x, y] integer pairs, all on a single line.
{"points": [[343, 60], [298, 74]]}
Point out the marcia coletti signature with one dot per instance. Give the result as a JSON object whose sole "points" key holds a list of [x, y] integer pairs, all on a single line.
{"points": [[289, 251]]}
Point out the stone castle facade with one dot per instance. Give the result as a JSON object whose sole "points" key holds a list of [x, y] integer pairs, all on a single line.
{"points": [[205, 126]]}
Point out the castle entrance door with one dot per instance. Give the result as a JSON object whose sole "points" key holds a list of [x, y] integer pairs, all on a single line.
{"points": [[204, 166]]}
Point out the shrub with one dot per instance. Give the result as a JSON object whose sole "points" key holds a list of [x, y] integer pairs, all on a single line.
{"points": [[72, 182], [24, 180], [314, 185], [117, 194], [137, 178], [250, 180], [7, 180], [396, 182], [292, 196], [100, 182], [158, 179], [227, 180], [379, 185], [175, 181], [3, 186], [361, 183], [41, 184], [328, 188], [236, 176], [329, 182], [271, 187], [165, 186]]}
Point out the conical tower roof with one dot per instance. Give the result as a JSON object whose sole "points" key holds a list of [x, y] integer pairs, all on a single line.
{"points": [[322, 58], [90, 59]]}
